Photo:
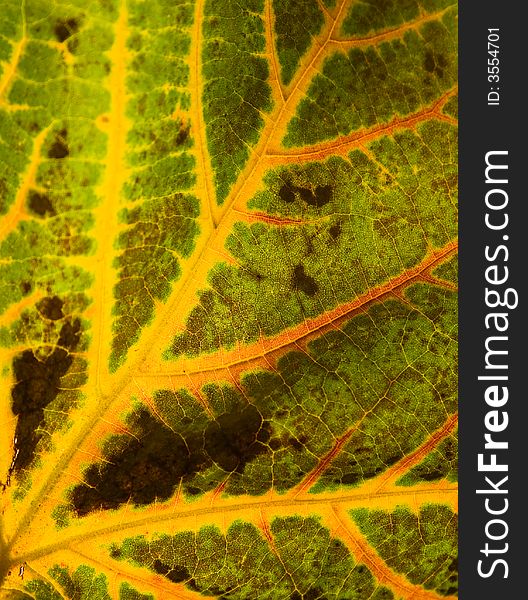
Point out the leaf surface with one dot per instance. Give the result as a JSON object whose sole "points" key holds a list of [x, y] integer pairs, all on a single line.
{"points": [[228, 275]]}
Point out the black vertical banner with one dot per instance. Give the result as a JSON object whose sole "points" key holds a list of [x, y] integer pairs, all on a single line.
{"points": [[493, 369]]}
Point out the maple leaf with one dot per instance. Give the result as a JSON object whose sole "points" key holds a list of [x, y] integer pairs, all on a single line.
{"points": [[228, 299]]}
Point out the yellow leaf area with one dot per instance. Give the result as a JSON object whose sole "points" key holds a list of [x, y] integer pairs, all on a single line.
{"points": [[228, 238]]}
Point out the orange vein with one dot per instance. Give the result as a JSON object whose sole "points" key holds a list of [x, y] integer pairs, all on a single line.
{"points": [[15, 310], [251, 217], [270, 46], [343, 145], [388, 477], [195, 83], [391, 475], [344, 528], [324, 10], [185, 287], [389, 34], [313, 475], [148, 579], [270, 130], [331, 27], [252, 355], [264, 527]]}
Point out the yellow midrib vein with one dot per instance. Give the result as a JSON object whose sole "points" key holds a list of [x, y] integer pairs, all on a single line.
{"points": [[205, 171], [109, 192], [95, 526]]}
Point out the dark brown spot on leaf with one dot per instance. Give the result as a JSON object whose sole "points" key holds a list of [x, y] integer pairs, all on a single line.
{"points": [[298, 444], [432, 475], [350, 478], [152, 462], [183, 134], [149, 466], [318, 197], [176, 573], [64, 28], [435, 63], [51, 308], [429, 62], [40, 204], [275, 443], [25, 287], [287, 193], [303, 282], [335, 231], [59, 148], [233, 439], [37, 384]]}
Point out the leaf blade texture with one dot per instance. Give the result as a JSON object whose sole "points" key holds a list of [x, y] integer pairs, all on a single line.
{"points": [[228, 265]]}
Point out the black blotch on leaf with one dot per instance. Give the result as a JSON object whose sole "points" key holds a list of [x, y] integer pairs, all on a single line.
{"points": [[51, 307], [303, 282], [275, 443], [435, 63], [183, 134], [432, 475], [350, 478], [323, 194], [314, 594], [287, 193], [318, 197], [40, 204], [59, 148], [232, 440], [160, 567], [335, 231], [176, 573], [155, 459], [429, 62], [391, 460], [298, 444], [64, 28], [216, 591], [37, 384], [25, 287], [148, 467]]}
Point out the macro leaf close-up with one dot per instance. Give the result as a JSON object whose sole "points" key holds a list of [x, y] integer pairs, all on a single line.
{"points": [[228, 299]]}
